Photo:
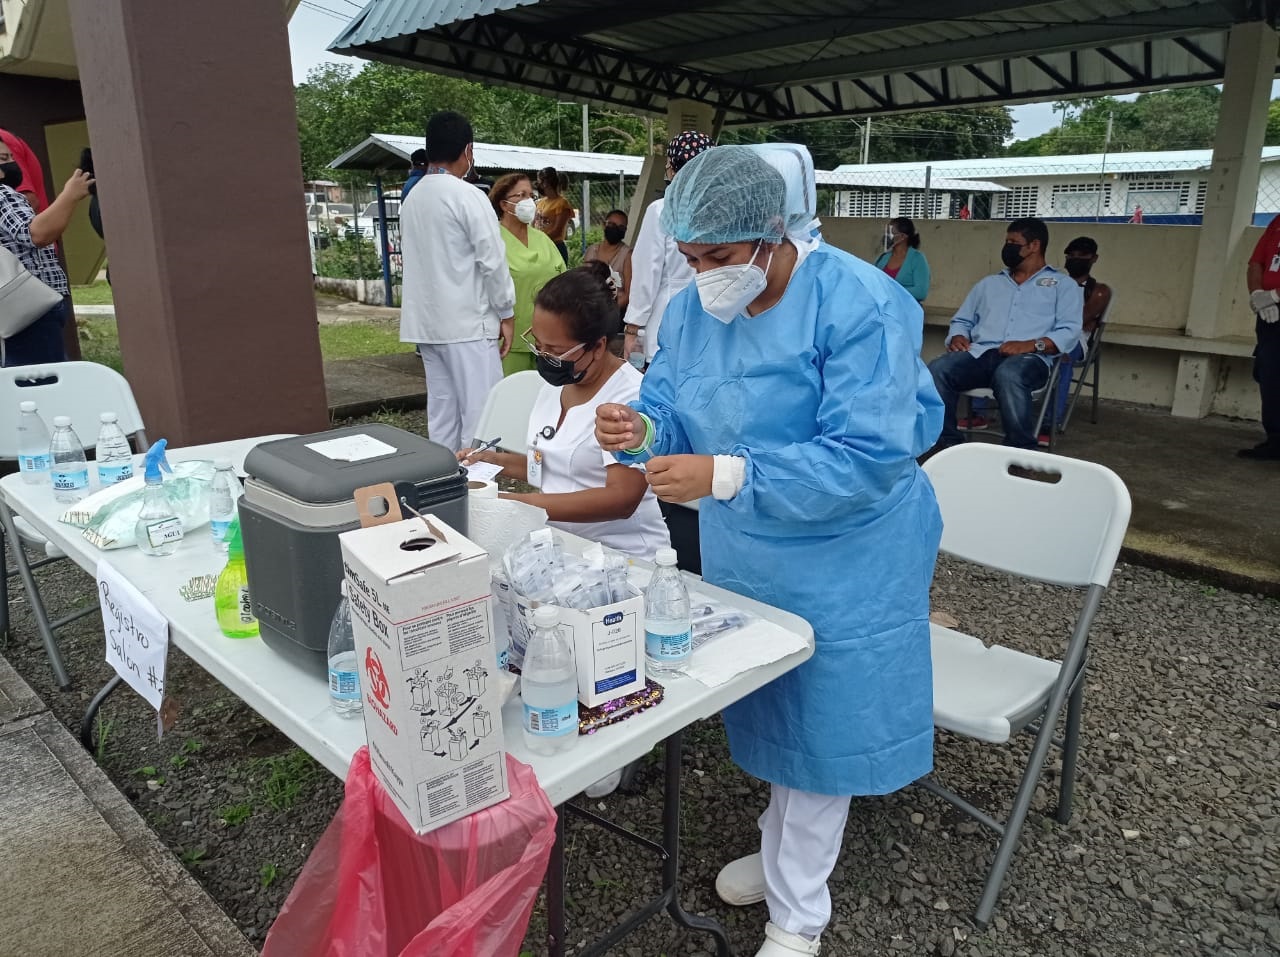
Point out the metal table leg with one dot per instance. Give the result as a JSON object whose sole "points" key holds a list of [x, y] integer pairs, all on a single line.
{"points": [[33, 596], [86, 723], [668, 851]]}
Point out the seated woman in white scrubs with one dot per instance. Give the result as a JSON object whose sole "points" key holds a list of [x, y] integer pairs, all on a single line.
{"points": [[584, 489]]}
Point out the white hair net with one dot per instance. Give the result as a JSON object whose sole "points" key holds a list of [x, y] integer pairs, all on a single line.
{"points": [[752, 193], [729, 194]]}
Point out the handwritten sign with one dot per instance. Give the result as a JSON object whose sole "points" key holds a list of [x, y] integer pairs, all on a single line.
{"points": [[137, 635]]}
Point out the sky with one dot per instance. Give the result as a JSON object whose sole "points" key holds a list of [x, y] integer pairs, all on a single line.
{"points": [[311, 31]]}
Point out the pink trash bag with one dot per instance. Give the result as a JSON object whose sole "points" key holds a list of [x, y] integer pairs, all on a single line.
{"points": [[373, 887]]}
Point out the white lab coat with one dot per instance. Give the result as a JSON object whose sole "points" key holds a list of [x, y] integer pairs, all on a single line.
{"points": [[457, 287], [658, 272]]}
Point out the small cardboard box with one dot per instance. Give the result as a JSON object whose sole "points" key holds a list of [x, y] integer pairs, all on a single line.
{"points": [[424, 638], [608, 645]]}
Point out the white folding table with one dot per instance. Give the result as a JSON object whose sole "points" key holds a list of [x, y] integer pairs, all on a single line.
{"points": [[296, 701]]}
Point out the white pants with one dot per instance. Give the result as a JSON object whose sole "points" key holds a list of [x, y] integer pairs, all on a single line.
{"points": [[800, 837], [459, 377]]}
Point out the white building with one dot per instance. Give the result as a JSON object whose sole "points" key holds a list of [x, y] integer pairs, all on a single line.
{"points": [[1169, 186]]}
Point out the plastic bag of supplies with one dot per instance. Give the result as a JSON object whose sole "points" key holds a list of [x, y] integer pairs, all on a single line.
{"points": [[375, 888]]}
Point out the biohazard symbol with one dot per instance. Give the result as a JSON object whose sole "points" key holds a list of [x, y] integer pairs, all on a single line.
{"points": [[378, 686]]}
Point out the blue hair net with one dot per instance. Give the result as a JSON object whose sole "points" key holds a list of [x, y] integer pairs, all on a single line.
{"points": [[729, 194]]}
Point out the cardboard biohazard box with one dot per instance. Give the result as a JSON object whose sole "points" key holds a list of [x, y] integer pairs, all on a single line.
{"points": [[419, 594]]}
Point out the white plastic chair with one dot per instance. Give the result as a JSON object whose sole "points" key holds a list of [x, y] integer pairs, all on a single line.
{"points": [[81, 391], [506, 412], [991, 692]]}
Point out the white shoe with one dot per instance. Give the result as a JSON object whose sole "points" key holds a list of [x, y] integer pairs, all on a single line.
{"points": [[606, 785], [741, 882], [778, 943]]}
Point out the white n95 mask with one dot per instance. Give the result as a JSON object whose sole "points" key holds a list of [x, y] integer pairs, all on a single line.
{"points": [[727, 290], [526, 211]]}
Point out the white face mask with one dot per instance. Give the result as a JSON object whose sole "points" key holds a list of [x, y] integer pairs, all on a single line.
{"points": [[526, 210], [726, 291]]}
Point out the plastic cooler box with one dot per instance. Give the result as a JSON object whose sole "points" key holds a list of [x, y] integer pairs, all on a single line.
{"points": [[297, 498]]}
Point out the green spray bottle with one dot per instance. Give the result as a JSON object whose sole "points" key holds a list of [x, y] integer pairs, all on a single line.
{"points": [[231, 595]]}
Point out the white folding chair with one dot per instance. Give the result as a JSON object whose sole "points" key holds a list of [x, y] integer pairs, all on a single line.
{"points": [[506, 412], [991, 692], [81, 391], [1086, 374], [1046, 395]]}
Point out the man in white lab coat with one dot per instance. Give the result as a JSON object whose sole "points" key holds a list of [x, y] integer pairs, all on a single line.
{"points": [[657, 270], [458, 299]]}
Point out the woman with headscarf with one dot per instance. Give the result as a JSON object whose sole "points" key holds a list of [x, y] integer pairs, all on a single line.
{"points": [[788, 396]]}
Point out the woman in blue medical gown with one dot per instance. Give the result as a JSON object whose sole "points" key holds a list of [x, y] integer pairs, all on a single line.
{"points": [[788, 394]]}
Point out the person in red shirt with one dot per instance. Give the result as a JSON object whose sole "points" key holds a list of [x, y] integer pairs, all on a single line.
{"points": [[1264, 297], [32, 173]]}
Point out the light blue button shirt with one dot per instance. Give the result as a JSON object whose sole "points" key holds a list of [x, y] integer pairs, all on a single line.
{"points": [[1049, 305]]}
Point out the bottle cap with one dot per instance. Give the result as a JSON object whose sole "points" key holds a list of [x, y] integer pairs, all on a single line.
{"points": [[545, 616], [222, 463], [665, 556], [107, 417], [27, 406], [62, 421], [342, 588], [235, 544]]}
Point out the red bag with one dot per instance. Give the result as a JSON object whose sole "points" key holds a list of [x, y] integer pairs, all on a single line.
{"points": [[373, 887]]}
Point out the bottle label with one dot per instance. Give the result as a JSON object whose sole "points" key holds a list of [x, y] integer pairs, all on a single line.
{"points": [[34, 463], [70, 481], [245, 605], [111, 474], [504, 659], [675, 647], [164, 531], [551, 722], [344, 685], [219, 529]]}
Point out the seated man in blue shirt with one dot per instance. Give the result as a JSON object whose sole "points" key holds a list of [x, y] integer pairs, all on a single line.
{"points": [[1006, 333]]}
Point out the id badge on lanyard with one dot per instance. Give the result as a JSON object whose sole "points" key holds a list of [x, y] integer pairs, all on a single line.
{"points": [[1275, 263], [535, 466]]}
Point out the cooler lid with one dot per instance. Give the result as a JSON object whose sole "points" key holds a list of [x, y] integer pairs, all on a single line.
{"points": [[329, 466]]}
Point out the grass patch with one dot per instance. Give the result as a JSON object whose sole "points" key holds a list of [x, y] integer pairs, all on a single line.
{"points": [[234, 814], [95, 294], [268, 875], [354, 340], [285, 778]]}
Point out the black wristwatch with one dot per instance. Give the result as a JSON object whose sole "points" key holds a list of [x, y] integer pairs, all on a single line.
{"points": [[1040, 345]]}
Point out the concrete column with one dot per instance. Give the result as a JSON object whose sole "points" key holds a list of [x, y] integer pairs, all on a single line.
{"points": [[195, 144], [1217, 291]]}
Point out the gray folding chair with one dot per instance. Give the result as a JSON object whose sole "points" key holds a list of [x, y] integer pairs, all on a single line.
{"points": [[1086, 374], [82, 391], [991, 692], [1045, 395]]}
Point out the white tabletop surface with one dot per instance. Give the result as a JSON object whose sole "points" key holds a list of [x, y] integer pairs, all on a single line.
{"points": [[296, 701]]}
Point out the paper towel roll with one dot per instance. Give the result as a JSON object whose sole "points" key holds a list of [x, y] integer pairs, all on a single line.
{"points": [[496, 523], [477, 489]]}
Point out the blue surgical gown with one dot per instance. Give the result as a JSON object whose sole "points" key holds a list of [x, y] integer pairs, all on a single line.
{"points": [[826, 398]]}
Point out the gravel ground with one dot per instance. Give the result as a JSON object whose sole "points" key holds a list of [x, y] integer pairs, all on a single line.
{"points": [[1174, 846]]}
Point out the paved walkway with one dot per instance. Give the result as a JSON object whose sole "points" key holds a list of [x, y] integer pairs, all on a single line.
{"points": [[80, 872]]}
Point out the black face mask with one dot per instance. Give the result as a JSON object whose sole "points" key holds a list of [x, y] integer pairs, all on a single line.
{"points": [[1011, 255], [564, 374], [1077, 267], [12, 175], [613, 234]]}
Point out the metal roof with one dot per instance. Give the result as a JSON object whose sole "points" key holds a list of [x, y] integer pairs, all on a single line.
{"points": [[1011, 167], [386, 150], [762, 61]]}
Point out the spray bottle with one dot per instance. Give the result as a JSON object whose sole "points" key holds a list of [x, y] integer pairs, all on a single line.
{"points": [[231, 601], [159, 529]]}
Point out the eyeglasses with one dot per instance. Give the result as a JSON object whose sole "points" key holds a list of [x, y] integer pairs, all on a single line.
{"points": [[553, 361]]}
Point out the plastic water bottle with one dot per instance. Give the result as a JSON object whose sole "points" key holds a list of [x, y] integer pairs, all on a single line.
{"points": [[33, 445], [113, 454], [636, 358], [158, 529], [68, 468], [549, 686], [231, 601], [223, 493], [344, 675], [668, 628]]}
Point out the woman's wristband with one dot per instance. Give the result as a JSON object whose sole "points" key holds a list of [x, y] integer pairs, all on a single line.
{"points": [[648, 437]]}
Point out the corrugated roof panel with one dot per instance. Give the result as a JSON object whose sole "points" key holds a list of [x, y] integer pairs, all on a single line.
{"points": [[383, 150]]}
